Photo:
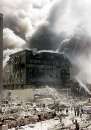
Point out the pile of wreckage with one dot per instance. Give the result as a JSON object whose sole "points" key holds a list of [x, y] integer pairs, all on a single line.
{"points": [[57, 114], [22, 115], [19, 113]]}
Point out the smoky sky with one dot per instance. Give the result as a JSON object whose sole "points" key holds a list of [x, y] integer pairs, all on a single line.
{"points": [[47, 25], [63, 18]]}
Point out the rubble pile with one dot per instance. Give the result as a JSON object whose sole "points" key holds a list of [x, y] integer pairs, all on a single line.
{"points": [[15, 113], [23, 115]]}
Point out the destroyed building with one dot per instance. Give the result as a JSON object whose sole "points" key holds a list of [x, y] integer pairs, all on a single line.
{"points": [[1, 49], [36, 67]]}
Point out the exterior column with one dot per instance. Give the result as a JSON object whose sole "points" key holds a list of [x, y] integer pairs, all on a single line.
{"points": [[1, 53]]}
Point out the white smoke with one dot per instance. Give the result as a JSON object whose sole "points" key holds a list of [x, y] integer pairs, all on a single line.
{"points": [[11, 43], [72, 18], [62, 43], [68, 15], [11, 40], [23, 16], [82, 84], [53, 92], [83, 63], [65, 16]]}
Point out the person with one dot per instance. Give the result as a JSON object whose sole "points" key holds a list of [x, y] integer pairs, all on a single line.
{"points": [[75, 111], [82, 110], [60, 117], [76, 125], [39, 117], [67, 111]]}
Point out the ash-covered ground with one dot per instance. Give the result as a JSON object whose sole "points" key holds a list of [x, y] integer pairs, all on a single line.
{"points": [[44, 109]]}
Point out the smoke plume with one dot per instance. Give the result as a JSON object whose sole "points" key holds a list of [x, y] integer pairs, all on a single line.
{"points": [[69, 31], [11, 40], [62, 25], [45, 39], [73, 20]]}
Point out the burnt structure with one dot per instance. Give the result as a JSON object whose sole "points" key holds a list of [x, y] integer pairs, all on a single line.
{"points": [[1, 51], [37, 67]]}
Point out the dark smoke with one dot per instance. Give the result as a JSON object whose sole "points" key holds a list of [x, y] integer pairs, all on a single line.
{"points": [[45, 39], [76, 46]]}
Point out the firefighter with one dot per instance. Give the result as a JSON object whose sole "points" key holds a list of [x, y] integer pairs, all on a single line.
{"points": [[76, 125]]}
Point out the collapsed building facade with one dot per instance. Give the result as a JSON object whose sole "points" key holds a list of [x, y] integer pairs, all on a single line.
{"points": [[36, 67]]}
